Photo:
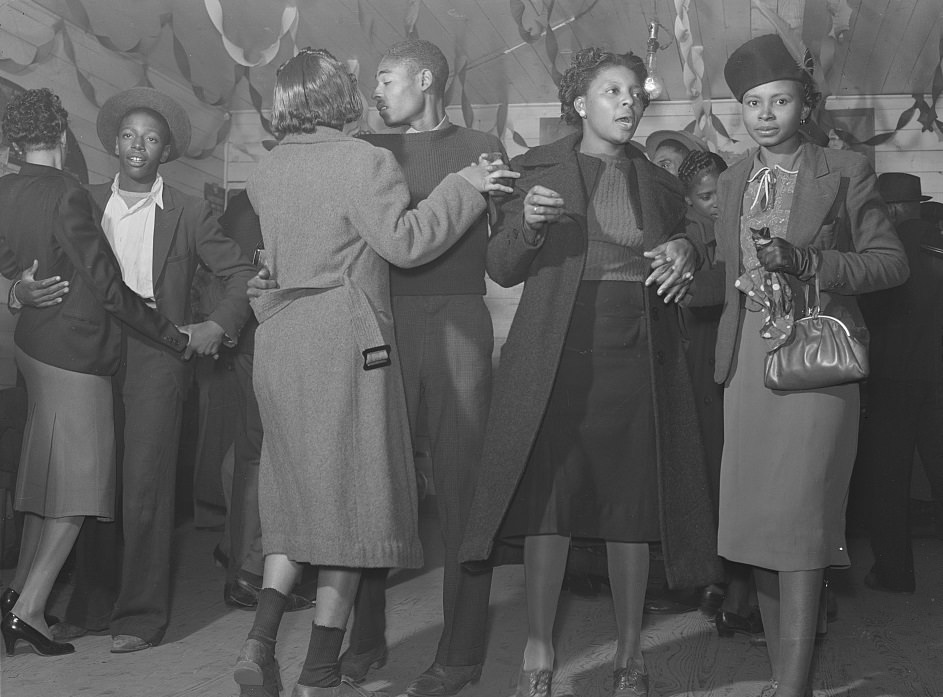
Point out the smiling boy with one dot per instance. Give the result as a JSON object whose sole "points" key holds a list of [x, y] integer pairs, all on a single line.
{"points": [[159, 236]]}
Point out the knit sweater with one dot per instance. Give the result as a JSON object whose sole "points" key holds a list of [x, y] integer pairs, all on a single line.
{"points": [[426, 158], [614, 252]]}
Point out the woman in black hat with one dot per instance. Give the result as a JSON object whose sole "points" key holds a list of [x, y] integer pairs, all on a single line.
{"points": [[67, 353], [792, 212]]}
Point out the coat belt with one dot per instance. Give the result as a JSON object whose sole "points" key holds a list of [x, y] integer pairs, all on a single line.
{"points": [[370, 342]]}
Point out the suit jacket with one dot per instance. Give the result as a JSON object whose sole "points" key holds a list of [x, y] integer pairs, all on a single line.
{"points": [[241, 223], [837, 210], [48, 216], [551, 273], [906, 323], [185, 234]]}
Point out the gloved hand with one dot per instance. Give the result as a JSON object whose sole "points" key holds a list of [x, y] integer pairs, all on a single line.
{"points": [[780, 255]]}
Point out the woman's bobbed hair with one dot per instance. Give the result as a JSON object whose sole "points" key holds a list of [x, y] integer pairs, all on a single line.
{"points": [[34, 120], [313, 89], [584, 67]]}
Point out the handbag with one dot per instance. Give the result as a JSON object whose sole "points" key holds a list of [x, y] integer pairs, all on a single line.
{"points": [[821, 352]]}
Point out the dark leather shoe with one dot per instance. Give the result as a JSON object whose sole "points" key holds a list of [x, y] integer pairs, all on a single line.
{"points": [[257, 672], [355, 666], [128, 643], [241, 594], [244, 595], [730, 623], [443, 681], [344, 689]]}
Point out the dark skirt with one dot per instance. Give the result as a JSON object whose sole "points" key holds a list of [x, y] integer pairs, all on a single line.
{"points": [[67, 464], [592, 470]]}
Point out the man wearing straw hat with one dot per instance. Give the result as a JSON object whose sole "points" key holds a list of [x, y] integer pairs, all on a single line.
{"points": [[159, 235]]}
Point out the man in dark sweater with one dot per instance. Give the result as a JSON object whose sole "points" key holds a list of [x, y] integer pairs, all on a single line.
{"points": [[445, 339]]}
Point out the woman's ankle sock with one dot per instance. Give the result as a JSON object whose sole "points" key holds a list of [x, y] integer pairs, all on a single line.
{"points": [[268, 615], [322, 664]]}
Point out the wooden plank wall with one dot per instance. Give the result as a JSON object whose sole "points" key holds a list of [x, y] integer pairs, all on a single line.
{"points": [[910, 151], [109, 73]]}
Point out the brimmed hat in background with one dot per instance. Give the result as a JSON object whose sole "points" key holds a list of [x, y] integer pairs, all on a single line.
{"points": [[113, 110], [932, 210], [689, 140], [758, 61], [899, 187]]}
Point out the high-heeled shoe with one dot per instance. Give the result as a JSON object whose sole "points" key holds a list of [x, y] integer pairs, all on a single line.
{"points": [[729, 623], [14, 629], [8, 599]]}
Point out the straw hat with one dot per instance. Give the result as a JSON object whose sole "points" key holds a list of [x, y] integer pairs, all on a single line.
{"points": [[117, 106], [689, 140]]}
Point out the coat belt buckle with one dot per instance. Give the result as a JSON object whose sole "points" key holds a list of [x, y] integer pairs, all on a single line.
{"points": [[376, 357]]}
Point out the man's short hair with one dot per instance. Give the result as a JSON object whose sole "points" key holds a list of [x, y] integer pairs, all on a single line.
{"points": [[419, 54]]}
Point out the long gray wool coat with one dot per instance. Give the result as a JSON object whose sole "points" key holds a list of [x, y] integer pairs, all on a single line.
{"points": [[336, 480], [529, 360]]}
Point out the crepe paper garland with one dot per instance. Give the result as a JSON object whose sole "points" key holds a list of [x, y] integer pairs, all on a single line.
{"points": [[289, 26]]}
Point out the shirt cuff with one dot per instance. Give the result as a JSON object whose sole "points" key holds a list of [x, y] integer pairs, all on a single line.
{"points": [[12, 300]]}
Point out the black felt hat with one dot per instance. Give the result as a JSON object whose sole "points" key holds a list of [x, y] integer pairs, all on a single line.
{"points": [[900, 187], [761, 60], [117, 106]]}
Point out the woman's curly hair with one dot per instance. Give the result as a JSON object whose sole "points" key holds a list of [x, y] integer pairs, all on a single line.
{"points": [[698, 162], [34, 120], [584, 67]]}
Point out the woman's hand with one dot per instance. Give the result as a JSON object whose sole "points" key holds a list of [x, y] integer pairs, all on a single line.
{"points": [[542, 206], [780, 255], [673, 266], [260, 283], [487, 173]]}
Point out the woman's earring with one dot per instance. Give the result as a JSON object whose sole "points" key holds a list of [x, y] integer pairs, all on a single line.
{"points": [[582, 114], [804, 121]]}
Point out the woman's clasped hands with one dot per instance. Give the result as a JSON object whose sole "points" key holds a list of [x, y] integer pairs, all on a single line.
{"points": [[673, 265]]}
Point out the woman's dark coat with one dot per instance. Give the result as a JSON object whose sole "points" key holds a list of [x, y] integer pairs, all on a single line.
{"points": [[529, 360]]}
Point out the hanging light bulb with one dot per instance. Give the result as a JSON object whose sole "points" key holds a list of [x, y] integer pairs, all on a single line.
{"points": [[653, 83]]}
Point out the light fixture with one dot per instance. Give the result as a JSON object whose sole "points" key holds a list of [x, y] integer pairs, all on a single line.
{"points": [[653, 83]]}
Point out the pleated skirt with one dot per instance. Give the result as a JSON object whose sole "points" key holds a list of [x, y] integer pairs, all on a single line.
{"points": [[592, 473], [67, 464]]}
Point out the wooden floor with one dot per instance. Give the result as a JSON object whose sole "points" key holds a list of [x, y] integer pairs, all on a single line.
{"points": [[881, 645]]}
